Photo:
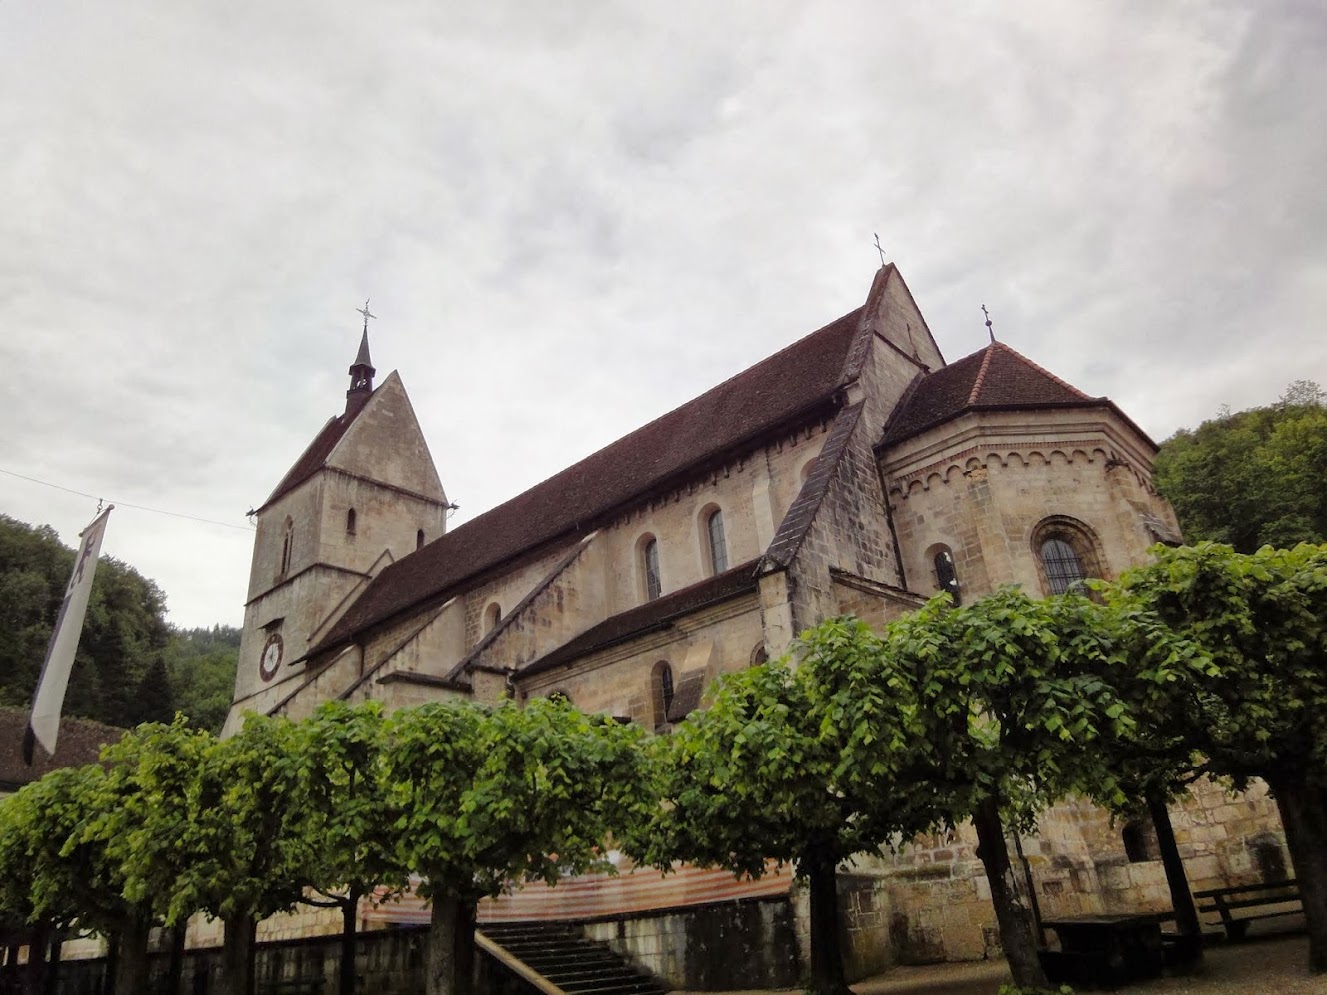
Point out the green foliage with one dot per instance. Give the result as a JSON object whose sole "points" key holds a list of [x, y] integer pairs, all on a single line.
{"points": [[1261, 707], [1019, 695], [131, 666], [342, 749], [50, 867], [787, 760], [485, 798], [1253, 478], [1034, 990]]}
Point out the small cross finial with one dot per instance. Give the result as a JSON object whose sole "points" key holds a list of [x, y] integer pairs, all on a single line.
{"points": [[989, 330], [365, 312], [879, 249]]}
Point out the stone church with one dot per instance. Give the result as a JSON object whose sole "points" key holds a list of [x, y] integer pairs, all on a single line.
{"points": [[853, 471]]}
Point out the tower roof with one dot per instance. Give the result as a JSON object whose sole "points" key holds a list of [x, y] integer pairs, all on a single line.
{"points": [[993, 379], [362, 357]]}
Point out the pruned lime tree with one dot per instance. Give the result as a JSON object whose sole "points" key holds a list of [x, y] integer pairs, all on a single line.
{"points": [[342, 749], [52, 868], [1262, 710], [803, 766], [1017, 696], [485, 799]]}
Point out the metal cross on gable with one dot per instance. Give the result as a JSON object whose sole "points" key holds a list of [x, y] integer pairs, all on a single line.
{"points": [[989, 330], [365, 312], [879, 249]]}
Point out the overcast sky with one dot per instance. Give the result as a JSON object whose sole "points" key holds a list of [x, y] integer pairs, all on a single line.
{"points": [[572, 217]]}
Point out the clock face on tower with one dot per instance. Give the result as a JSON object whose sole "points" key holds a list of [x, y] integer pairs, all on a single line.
{"points": [[271, 658]]}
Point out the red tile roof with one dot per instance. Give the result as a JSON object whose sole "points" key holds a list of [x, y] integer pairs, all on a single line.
{"points": [[995, 378], [313, 458], [787, 387]]}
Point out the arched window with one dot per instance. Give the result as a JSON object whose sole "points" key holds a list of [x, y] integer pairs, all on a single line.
{"points": [[419, 539], [559, 696], [718, 549], [492, 615], [350, 522], [946, 575], [1140, 841], [649, 562], [287, 545], [759, 655], [1066, 553], [662, 692]]}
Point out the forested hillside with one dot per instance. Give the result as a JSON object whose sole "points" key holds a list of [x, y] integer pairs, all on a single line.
{"points": [[1252, 478], [132, 666]]}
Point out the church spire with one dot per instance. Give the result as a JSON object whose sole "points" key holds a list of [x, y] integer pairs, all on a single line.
{"points": [[361, 371]]}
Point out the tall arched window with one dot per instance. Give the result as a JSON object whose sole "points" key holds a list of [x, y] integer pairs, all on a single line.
{"points": [[492, 615], [350, 522], [662, 681], [717, 546], [419, 539], [1066, 553], [649, 562], [287, 545]]}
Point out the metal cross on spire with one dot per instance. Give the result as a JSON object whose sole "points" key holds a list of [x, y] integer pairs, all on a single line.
{"points": [[879, 249], [365, 312], [989, 330]]}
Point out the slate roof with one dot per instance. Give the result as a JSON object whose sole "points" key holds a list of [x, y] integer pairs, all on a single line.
{"points": [[79, 742], [998, 377], [777, 392], [649, 617]]}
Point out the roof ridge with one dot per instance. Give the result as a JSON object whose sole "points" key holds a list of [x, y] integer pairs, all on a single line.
{"points": [[981, 374], [1042, 370]]}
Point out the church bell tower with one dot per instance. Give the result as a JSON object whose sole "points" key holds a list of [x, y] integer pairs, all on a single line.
{"points": [[363, 494]]}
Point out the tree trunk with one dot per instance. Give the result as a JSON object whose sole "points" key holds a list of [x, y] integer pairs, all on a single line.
{"points": [[465, 946], [112, 964], [827, 975], [34, 978], [1181, 899], [442, 972], [237, 956], [131, 969], [53, 971], [175, 979], [1305, 820], [349, 926], [1015, 922]]}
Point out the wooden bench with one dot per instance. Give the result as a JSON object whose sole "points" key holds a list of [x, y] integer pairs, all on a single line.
{"points": [[1268, 895]]}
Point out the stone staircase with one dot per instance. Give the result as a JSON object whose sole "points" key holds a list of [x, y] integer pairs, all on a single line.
{"points": [[568, 962]]}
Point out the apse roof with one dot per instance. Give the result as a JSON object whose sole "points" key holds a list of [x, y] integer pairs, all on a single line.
{"points": [[997, 377]]}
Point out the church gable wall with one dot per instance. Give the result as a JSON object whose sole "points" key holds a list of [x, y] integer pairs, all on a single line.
{"points": [[384, 443], [299, 508]]}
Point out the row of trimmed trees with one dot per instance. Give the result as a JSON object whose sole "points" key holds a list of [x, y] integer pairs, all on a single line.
{"points": [[1205, 662], [175, 822]]}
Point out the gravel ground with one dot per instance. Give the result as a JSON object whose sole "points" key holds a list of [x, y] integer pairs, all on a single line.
{"points": [[1272, 966]]}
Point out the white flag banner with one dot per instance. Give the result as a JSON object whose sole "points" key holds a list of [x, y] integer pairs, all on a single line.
{"points": [[44, 723]]}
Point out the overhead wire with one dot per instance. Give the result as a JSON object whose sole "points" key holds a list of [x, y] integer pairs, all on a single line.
{"points": [[126, 504]]}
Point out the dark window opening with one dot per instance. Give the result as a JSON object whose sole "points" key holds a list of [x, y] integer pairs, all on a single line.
{"points": [[350, 522], [718, 548], [419, 539], [946, 576], [1063, 566], [653, 584]]}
